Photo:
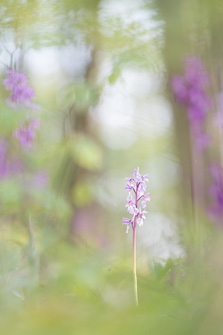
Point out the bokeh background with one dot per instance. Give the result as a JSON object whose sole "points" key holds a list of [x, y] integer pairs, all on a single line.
{"points": [[102, 73]]}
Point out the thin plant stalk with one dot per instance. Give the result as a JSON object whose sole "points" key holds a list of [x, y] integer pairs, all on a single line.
{"points": [[134, 264], [137, 185]]}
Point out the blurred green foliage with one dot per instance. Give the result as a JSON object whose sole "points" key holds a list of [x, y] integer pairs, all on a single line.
{"points": [[81, 95], [82, 291]]}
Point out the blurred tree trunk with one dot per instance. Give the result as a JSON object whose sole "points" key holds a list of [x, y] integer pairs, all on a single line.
{"points": [[85, 218]]}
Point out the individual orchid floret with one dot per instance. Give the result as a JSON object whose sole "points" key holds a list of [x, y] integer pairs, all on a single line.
{"points": [[131, 205], [129, 186], [128, 222], [141, 217]]}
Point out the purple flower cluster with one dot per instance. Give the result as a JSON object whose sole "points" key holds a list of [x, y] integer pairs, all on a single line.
{"points": [[136, 187], [21, 93], [26, 133], [21, 96], [190, 90], [216, 191]]}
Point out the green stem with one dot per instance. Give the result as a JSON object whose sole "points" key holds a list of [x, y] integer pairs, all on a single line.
{"points": [[134, 263]]}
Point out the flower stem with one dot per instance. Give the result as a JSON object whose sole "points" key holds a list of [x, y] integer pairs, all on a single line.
{"points": [[134, 264]]}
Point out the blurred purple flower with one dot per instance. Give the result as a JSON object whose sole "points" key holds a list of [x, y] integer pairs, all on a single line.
{"points": [[26, 133], [179, 88], [203, 140], [216, 191], [14, 78], [136, 184], [195, 73], [21, 96], [21, 93], [190, 90]]}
